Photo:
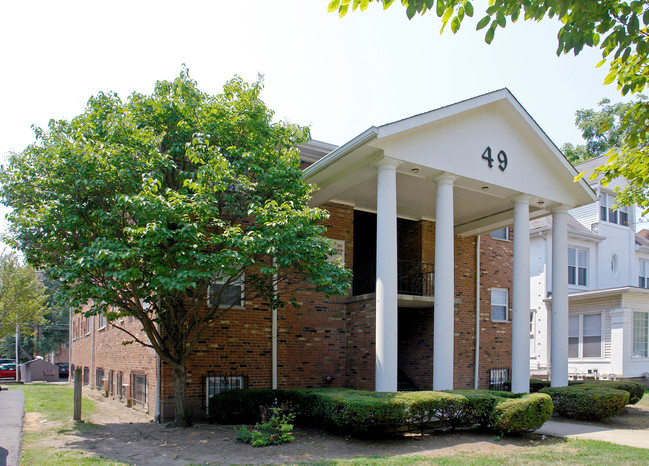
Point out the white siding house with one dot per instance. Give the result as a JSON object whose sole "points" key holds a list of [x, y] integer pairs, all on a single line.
{"points": [[608, 284]]}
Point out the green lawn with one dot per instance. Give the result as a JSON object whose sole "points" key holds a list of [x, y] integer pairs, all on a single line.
{"points": [[53, 403]]}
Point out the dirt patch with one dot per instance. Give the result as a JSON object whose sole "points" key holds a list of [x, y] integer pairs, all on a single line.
{"points": [[120, 433]]}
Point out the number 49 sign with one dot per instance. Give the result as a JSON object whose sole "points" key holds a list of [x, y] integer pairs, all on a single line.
{"points": [[501, 157]]}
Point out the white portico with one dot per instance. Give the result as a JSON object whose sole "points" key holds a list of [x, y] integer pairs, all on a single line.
{"points": [[471, 167]]}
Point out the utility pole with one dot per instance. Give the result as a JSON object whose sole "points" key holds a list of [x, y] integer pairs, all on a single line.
{"points": [[17, 355]]}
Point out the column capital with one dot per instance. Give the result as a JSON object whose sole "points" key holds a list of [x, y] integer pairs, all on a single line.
{"points": [[560, 209], [445, 178], [522, 199], [387, 163]]}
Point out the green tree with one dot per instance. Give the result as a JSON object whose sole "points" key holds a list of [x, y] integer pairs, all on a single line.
{"points": [[140, 206], [601, 129], [618, 28], [21, 295]]}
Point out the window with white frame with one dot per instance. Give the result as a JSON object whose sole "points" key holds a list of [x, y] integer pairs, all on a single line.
{"points": [[643, 276], [641, 334], [608, 214], [231, 295], [501, 233], [102, 321], [585, 336], [578, 266], [499, 304], [88, 323]]}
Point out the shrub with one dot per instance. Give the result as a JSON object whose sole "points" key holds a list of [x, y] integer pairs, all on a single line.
{"points": [[588, 402], [275, 427], [364, 413], [538, 384], [241, 406], [506, 412], [635, 389], [524, 414]]}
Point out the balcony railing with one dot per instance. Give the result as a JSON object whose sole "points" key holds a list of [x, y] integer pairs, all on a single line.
{"points": [[413, 278]]}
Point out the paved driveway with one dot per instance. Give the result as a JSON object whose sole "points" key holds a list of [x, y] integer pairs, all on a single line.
{"points": [[12, 407]]}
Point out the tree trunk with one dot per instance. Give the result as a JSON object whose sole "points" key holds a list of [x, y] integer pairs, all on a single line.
{"points": [[180, 397]]}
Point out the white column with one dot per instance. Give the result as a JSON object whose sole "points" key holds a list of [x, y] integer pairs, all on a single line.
{"points": [[444, 285], [559, 342], [386, 277], [521, 297]]}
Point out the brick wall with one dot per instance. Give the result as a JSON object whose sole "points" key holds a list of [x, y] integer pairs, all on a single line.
{"points": [[328, 336]]}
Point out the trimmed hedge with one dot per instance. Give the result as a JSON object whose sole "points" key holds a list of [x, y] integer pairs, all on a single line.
{"points": [[364, 413], [635, 389], [586, 401]]}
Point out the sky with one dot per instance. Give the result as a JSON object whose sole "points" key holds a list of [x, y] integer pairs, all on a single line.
{"points": [[338, 76]]}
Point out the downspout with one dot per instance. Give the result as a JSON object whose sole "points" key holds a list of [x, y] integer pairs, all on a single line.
{"points": [[273, 341], [157, 389], [69, 343], [158, 377], [476, 369], [92, 355]]}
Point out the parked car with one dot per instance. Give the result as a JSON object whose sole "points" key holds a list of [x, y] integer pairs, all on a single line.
{"points": [[6, 361], [8, 370], [64, 369]]}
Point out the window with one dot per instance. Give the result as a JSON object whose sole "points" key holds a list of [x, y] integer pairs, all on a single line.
{"points": [[87, 325], [102, 321], [608, 214], [643, 278], [640, 334], [585, 336], [74, 331], [218, 384], [99, 378], [139, 388], [499, 304], [120, 384], [501, 233], [577, 266], [232, 295]]}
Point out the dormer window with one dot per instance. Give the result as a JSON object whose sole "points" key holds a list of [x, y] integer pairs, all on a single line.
{"points": [[608, 214]]}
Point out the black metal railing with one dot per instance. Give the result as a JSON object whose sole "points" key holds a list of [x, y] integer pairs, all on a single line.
{"points": [[413, 278]]}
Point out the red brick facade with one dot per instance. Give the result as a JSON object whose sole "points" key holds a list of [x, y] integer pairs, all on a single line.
{"points": [[324, 336]]}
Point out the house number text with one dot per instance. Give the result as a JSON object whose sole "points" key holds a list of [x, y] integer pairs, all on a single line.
{"points": [[501, 158]]}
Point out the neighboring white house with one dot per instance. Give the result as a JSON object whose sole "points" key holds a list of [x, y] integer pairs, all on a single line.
{"points": [[608, 283]]}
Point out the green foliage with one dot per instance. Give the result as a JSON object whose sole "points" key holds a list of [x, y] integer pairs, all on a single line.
{"points": [[538, 384], [524, 414], [586, 401], [601, 129], [636, 389], [137, 207], [242, 406], [22, 295], [367, 414], [617, 27], [276, 427]]}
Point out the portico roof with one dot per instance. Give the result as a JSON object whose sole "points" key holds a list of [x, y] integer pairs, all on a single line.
{"points": [[490, 143]]}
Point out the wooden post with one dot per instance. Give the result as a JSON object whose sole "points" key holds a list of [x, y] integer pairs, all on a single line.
{"points": [[78, 381]]}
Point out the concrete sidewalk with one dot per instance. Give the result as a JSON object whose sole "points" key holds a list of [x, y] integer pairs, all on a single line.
{"points": [[630, 437], [12, 407]]}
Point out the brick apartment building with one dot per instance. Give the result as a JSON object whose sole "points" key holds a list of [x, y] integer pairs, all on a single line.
{"points": [[421, 210]]}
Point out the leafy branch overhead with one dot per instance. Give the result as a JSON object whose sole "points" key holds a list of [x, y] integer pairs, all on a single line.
{"points": [[618, 28]]}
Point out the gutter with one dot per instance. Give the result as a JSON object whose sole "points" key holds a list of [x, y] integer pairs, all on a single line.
{"points": [[343, 150]]}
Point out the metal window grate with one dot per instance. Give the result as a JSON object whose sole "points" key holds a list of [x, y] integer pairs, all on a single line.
{"points": [[99, 378], [499, 379], [214, 383], [139, 388], [86, 376]]}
